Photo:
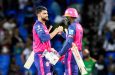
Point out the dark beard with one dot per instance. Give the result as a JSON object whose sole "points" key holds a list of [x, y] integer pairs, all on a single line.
{"points": [[66, 22], [44, 20]]}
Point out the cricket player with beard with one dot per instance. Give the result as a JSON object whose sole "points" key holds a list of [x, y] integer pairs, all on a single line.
{"points": [[41, 41], [75, 34]]}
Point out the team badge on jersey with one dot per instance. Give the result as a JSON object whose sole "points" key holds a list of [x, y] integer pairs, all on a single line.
{"points": [[39, 28], [71, 32]]}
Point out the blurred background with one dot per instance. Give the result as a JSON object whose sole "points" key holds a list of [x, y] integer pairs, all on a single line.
{"points": [[96, 16]]}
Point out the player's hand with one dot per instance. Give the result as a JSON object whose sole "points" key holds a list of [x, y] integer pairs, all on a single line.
{"points": [[73, 46], [53, 50], [58, 56], [60, 29]]}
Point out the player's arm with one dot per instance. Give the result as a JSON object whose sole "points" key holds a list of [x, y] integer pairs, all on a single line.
{"points": [[56, 31], [69, 40], [63, 34], [42, 34]]}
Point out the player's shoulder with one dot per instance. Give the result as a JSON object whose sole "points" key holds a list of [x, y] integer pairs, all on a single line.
{"points": [[38, 25], [72, 26], [79, 26], [71, 29]]}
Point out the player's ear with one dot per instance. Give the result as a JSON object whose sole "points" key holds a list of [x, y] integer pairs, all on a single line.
{"points": [[39, 15]]}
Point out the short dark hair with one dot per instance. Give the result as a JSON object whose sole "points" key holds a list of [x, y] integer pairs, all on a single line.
{"points": [[39, 9]]}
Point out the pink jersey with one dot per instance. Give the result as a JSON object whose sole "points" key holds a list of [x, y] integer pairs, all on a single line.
{"points": [[78, 36], [39, 46]]}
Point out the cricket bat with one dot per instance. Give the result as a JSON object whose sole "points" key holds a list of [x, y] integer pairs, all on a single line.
{"points": [[78, 59], [29, 61]]}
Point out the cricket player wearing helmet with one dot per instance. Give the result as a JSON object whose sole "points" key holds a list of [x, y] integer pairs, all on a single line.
{"points": [[75, 34], [41, 41]]}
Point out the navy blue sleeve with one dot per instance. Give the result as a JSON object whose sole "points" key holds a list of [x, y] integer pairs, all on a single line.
{"points": [[69, 40], [41, 33]]}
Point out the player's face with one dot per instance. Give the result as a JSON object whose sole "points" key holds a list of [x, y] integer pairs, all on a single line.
{"points": [[44, 15], [67, 21]]}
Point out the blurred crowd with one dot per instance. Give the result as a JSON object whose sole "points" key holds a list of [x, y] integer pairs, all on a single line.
{"points": [[96, 16]]}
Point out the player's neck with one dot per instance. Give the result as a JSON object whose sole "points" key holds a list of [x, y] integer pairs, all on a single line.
{"points": [[43, 22], [72, 20], [39, 19]]}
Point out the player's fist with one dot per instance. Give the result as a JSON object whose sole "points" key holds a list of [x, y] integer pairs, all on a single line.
{"points": [[53, 50], [73, 46], [60, 29]]}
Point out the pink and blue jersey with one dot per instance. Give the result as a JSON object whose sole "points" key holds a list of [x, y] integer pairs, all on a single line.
{"points": [[75, 34], [41, 37], [41, 42], [78, 36]]}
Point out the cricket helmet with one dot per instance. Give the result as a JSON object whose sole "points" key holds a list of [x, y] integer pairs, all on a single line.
{"points": [[71, 12]]}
